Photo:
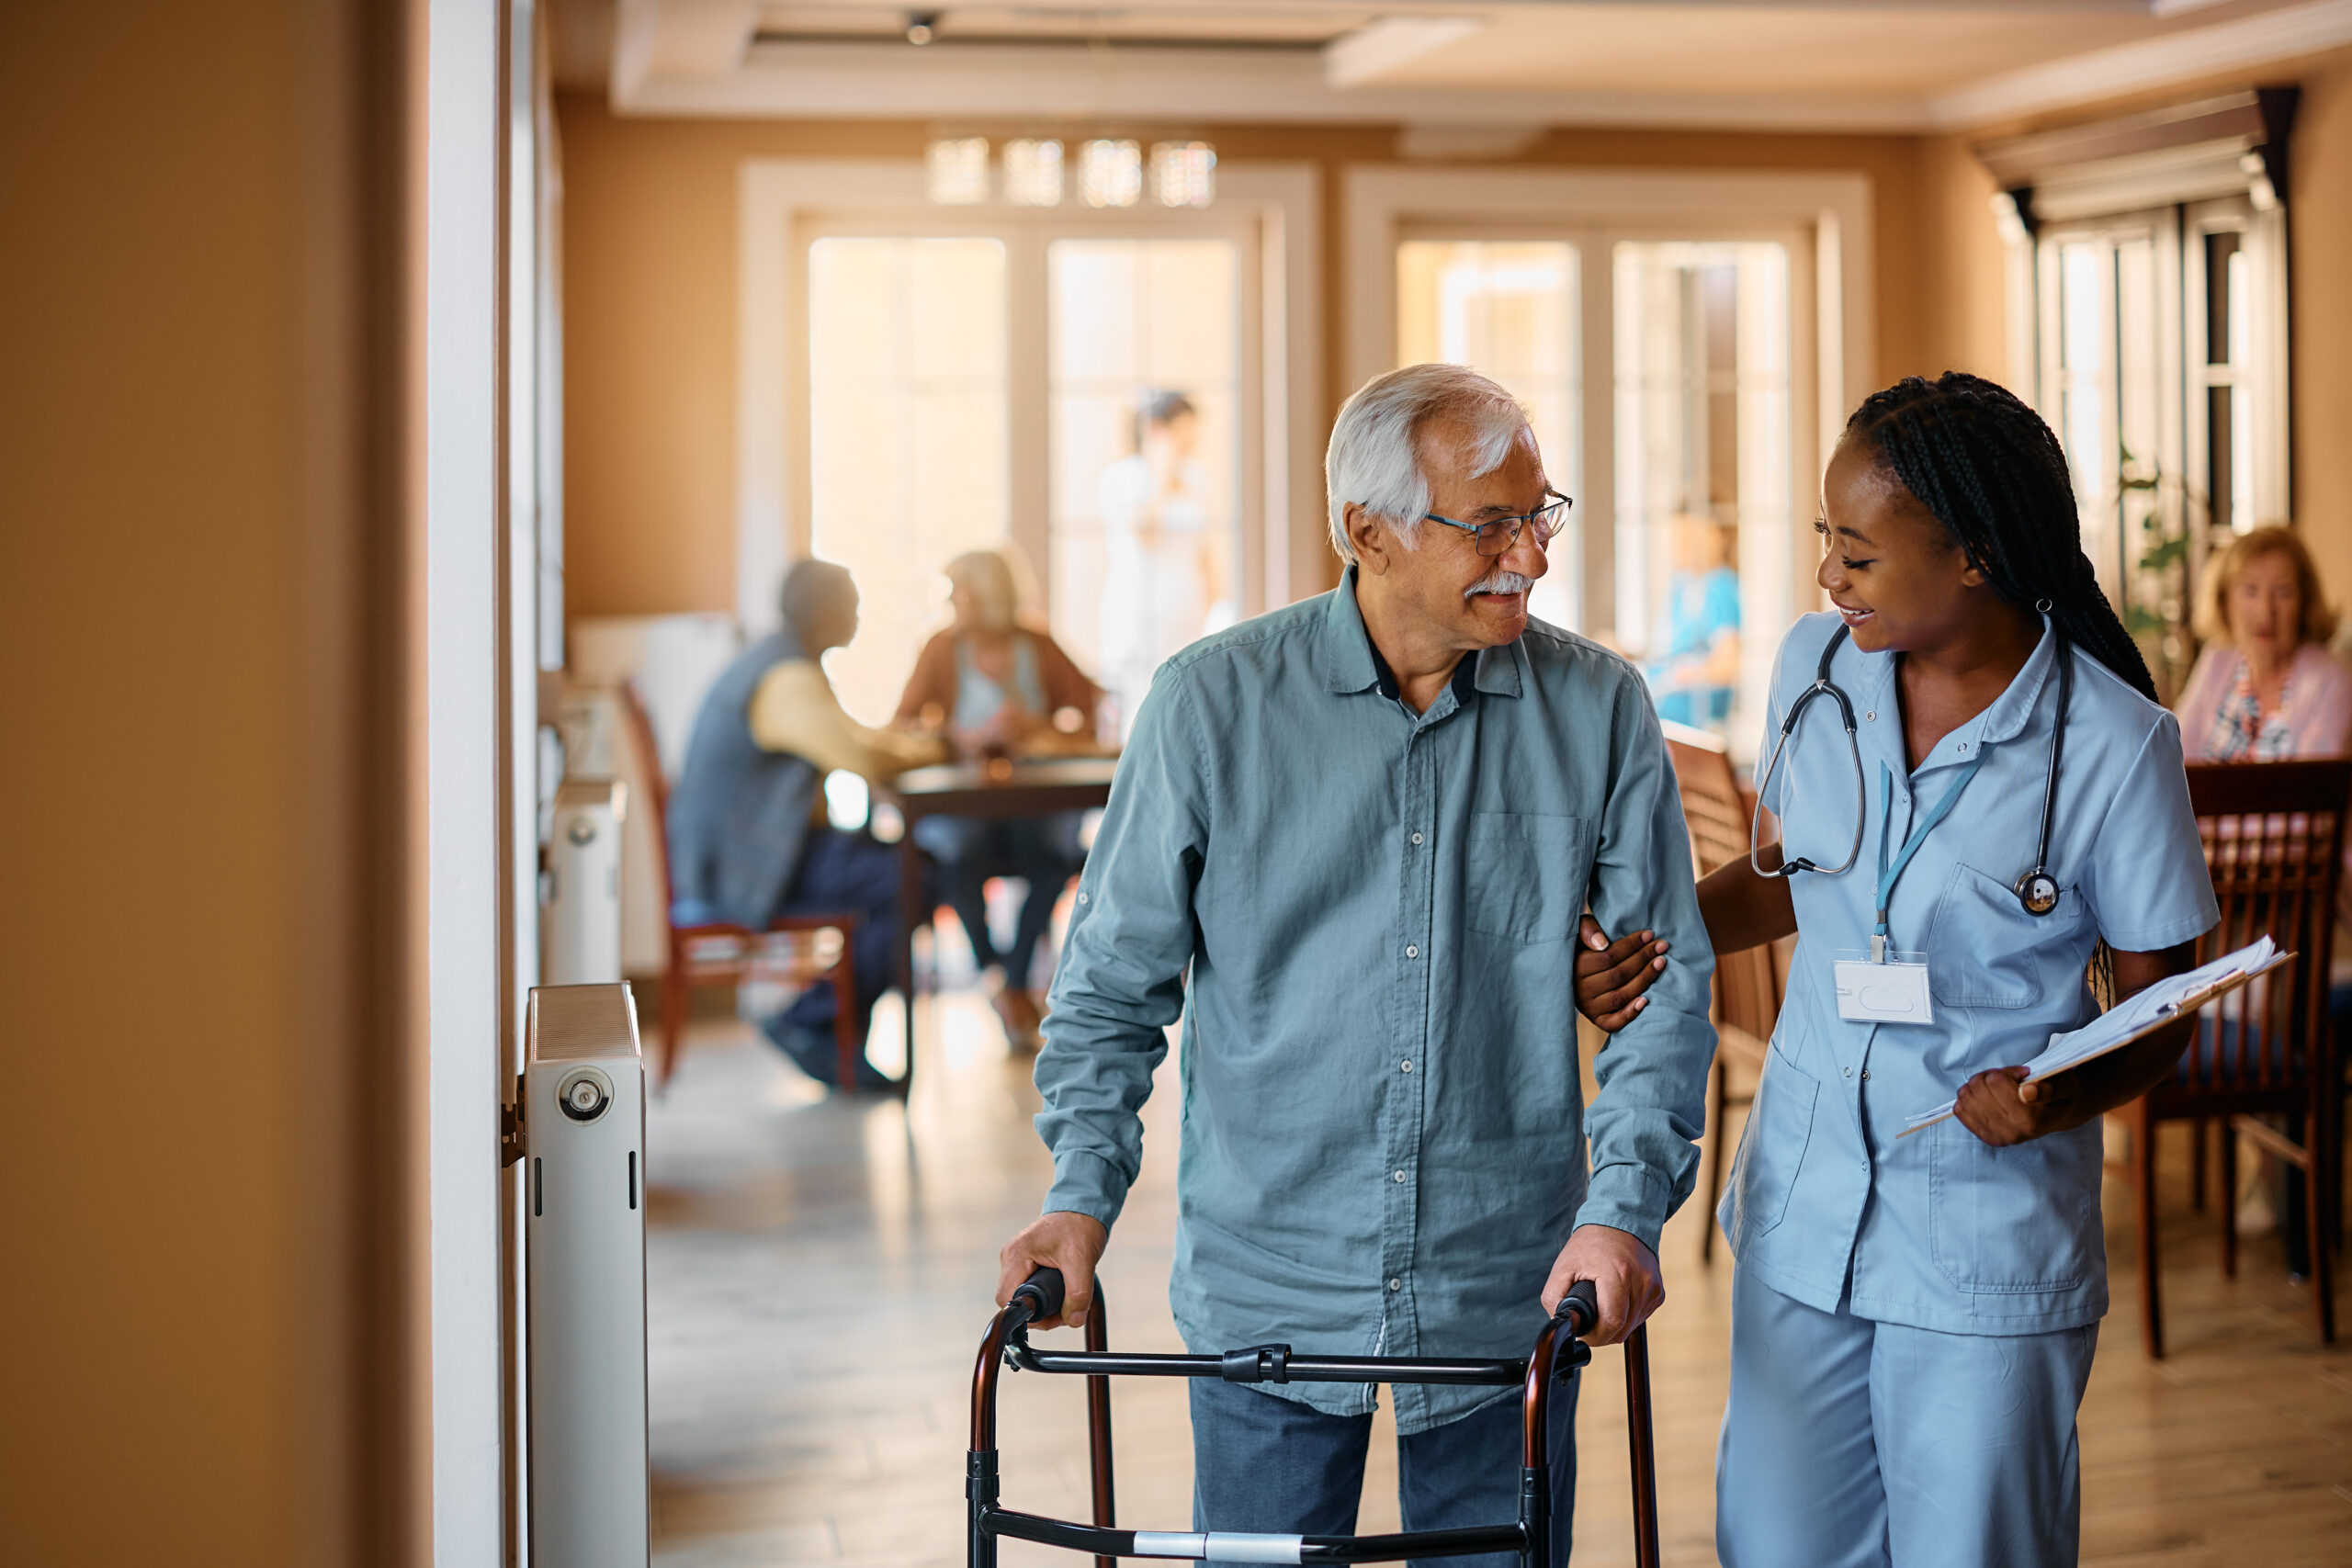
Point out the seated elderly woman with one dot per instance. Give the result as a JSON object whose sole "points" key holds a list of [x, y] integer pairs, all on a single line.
{"points": [[996, 687], [2266, 686]]}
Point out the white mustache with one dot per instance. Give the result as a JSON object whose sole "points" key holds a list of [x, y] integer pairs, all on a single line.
{"points": [[1500, 583]]}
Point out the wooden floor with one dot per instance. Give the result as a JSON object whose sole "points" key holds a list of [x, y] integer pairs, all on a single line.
{"points": [[819, 1272]]}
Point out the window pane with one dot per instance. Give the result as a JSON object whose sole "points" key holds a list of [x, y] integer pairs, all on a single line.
{"points": [[1143, 354], [1703, 473], [1509, 310], [907, 434]]}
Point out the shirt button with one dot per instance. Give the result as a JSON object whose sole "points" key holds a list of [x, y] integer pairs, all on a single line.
{"points": [[1412, 953], [1417, 838], [1400, 1176], [1395, 1284], [1405, 1066], [1849, 1072], [1081, 898], [1871, 717], [1866, 1075]]}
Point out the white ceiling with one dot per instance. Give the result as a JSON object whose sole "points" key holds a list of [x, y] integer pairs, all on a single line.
{"points": [[1829, 65]]}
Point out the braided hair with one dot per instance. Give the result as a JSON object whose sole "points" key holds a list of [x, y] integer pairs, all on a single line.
{"points": [[1979, 459]]}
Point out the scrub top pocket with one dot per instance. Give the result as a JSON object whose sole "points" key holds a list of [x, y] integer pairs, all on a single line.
{"points": [[1527, 875], [1983, 950], [2024, 1219], [1772, 1148]]}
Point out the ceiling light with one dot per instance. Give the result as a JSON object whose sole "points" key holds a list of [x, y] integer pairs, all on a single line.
{"points": [[922, 27], [1110, 173], [958, 170], [1033, 172], [1183, 174]]}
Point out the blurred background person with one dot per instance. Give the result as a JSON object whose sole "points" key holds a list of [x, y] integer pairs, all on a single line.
{"points": [[1698, 667], [2266, 686], [997, 688], [2266, 689], [1165, 583], [748, 835]]}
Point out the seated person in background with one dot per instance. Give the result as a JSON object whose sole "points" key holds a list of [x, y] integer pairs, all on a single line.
{"points": [[1693, 680], [999, 688], [748, 836], [2266, 687]]}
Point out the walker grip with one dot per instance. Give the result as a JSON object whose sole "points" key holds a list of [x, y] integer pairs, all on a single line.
{"points": [[1581, 1307], [1041, 1293]]}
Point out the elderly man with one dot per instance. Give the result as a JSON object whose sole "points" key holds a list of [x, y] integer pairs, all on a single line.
{"points": [[747, 839], [1366, 827]]}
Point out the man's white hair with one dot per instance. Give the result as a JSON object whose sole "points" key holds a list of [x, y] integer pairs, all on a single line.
{"points": [[1374, 458]]}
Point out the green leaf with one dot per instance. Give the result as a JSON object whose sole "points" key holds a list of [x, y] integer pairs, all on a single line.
{"points": [[2171, 552]]}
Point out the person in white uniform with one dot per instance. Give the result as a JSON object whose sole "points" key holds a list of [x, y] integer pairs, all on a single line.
{"points": [[1913, 1317]]}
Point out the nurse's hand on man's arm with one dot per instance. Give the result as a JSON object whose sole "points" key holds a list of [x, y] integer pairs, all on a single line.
{"points": [[1071, 1242], [1624, 1274], [1611, 975]]}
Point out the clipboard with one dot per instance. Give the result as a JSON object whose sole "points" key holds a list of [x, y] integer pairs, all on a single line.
{"points": [[2193, 1002]]}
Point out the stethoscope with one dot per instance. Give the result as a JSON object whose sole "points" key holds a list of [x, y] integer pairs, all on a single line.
{"points": [[2037, 890]]}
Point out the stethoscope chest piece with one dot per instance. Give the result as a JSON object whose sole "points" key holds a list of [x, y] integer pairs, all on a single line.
{"points": [[2038, 891]]}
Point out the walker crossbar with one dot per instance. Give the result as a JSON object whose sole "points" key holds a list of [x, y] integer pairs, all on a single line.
{"points": [[1559, 1349]]}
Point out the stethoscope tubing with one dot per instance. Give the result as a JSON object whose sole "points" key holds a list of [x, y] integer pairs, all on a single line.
{"points": [[2035, 890]]}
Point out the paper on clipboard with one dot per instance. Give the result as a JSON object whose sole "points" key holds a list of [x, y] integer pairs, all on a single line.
{"points": [[2137, 1016]]}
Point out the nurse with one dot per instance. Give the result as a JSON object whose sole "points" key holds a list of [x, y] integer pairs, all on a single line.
{"points": [[1913, 1317]]}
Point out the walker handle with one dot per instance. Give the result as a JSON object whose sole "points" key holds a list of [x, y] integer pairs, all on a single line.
{"points": [[1581, 1307], [1040, 1296]]}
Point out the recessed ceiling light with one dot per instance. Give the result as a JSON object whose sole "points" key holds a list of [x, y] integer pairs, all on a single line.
{"points": [[922, 27]]}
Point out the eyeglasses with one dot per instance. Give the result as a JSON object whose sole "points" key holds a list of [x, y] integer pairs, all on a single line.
{"points": [[1498, 535]]}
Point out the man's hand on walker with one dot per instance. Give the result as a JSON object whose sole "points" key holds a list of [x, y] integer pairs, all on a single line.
{"points": [[1071, 1243], [1611, 975], [1622, 1269]]}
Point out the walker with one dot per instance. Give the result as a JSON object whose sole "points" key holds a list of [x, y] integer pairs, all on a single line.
{"points": [[1040, 1296]]}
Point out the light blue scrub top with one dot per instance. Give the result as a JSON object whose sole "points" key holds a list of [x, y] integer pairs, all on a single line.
{"points": [[1938, 1230]]}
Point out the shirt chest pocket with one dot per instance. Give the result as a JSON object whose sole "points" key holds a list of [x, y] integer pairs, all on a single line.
{"points": [[1985, 950], [1526, 875]]}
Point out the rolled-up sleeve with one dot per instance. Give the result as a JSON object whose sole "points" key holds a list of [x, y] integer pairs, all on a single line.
{"points": [[1121, 980], [1646, 1121]]}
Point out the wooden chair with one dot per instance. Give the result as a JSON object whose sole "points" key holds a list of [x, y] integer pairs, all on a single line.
{"points": [[1748, 986], [2274, 843], [722, 953]]}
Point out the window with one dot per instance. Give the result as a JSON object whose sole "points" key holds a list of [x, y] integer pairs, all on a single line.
{"points": [[2148, 277], [1144, 392], [1686, 469], [907, 415]]}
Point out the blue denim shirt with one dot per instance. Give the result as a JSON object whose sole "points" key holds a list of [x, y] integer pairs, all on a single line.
{"points": [[1383, 1138], [1938, 1230]]}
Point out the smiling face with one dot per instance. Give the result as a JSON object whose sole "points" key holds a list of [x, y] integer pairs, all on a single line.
{"points": [[2265, 607], [1895, 574], [1458, 598]]}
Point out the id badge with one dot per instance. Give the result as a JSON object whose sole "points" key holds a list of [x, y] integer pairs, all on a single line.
{"points": [[1891, 992]]}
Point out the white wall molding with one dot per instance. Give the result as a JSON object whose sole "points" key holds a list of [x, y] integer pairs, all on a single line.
{"points": [[2185, 56], [774, 195]]}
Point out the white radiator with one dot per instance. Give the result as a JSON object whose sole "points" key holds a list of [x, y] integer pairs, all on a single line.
{"points": [[579, 923], [583, 1138]]}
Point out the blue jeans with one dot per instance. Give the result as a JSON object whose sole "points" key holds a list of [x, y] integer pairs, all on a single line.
{"points": [[841, 873], [1271, 1465]]}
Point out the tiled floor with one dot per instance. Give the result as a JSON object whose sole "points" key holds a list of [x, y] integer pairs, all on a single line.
{"points": [[819, 1274]]}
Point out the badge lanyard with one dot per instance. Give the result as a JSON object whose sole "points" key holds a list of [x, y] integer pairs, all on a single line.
{"points": [[1890, 875]]}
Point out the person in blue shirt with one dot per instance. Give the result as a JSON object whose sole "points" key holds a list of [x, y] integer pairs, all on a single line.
{"points": [[1349, 844], [1694, 679], [1913, 1317]]}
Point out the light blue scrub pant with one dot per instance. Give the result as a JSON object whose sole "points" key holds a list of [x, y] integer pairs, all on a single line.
{"points": [[1849, 1443]]}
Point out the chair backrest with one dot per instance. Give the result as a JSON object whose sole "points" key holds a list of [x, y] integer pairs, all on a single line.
{"points": [[640, 725], [1748, 984], [2273, 843]]}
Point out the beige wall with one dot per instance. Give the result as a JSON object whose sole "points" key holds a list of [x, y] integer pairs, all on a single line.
{"points": [[649, 308], [195, 864]]}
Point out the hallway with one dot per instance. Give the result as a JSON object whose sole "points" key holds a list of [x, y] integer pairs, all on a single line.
{"points": [[819, 1271]]}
